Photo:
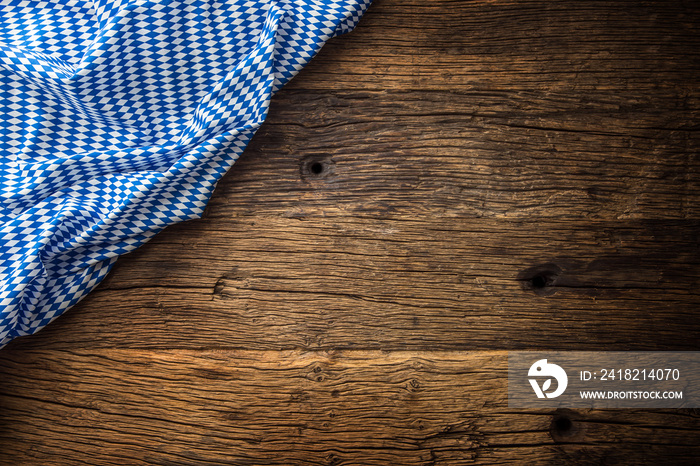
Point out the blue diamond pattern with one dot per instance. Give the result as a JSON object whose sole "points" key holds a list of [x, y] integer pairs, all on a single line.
{"points": [[119, 118]]}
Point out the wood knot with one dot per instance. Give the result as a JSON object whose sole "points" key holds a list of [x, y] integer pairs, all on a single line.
{"points": [[541, 279], [316, 373], [413, 385], [317, 167], [566, 427]]}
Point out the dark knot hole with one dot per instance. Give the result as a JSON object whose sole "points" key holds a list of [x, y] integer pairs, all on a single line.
{"points": [[563, 425], [566, 428], [316, 168], [540, 280]]}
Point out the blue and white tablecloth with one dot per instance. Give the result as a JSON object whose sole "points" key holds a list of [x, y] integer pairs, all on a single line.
{"points": [[118, 117]]}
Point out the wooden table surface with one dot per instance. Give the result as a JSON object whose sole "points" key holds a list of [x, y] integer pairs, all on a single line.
{"points": [[450, 181]]}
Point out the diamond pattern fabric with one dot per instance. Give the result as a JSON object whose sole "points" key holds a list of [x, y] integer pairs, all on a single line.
{"points": [[119, 117]]}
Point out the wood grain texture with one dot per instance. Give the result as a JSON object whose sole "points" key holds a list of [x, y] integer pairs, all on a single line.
{"points": [[365, 283], [584, 48], [450, 181], [501, 154], [292, 407]]}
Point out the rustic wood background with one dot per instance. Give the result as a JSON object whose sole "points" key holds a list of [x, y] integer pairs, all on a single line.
{"points": [[452, 180]]}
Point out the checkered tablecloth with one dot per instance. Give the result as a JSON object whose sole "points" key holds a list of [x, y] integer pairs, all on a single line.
{"points": [[119, 117]]}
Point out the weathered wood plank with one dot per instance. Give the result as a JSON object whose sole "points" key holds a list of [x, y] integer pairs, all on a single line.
{"points": [[342, 282], [491, 175], [480, 154], [584, 47], [340, 407]]}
